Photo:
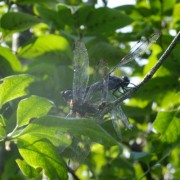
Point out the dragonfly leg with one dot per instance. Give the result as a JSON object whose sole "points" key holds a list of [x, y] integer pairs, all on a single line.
{"points": [[114, 91], [119, 90]]}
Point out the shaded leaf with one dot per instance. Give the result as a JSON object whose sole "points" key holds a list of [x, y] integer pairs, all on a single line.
{"points": [[102, 20], [104, 50], [65, 15], [55, 128], [17, 21], [118, 168], [59, 18], [168, 6]]}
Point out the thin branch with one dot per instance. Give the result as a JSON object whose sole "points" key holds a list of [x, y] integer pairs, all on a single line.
{"points": [[150, 168], [75, 177], [148, 76], [161, 60]]}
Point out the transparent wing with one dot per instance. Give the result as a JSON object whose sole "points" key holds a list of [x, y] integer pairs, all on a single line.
{"points": [[77, 152], [119, 117], [74, 149], [99, 90], [136, 51], [81, 70], [105, 77]]}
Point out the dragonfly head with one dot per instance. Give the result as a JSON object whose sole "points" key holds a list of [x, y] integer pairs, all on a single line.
{"points": [[126, 81], [67, 95]]}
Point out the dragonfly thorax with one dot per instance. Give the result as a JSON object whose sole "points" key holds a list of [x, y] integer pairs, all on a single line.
{"points": [[116, 82]]}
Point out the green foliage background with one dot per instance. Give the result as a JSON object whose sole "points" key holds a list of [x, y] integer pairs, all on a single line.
{"points": [[36, 64]]}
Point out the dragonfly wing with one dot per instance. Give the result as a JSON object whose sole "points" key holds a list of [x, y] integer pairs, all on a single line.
{"points": [[119, 117], [99, 90], [105, 78], [81, 71], [137, 50], [116, 123], [78, 151]]}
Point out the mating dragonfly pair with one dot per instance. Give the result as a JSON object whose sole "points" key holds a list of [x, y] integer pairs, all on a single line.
{"points": [[81, 97]]}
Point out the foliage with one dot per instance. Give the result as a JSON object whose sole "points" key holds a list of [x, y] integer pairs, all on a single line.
{"points": [[36, 65]]}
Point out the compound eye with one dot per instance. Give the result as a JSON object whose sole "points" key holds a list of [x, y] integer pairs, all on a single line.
{"points": [[125, 78], [67, 94]]}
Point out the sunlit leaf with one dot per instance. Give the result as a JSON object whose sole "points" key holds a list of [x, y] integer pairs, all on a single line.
{"points": [[2, 121], [32, 107], [41, 154], [168, 6], [49, 47], [167, 124], [2, 132], [26, 169], [8, 59], [176, 13], [13, 87]]}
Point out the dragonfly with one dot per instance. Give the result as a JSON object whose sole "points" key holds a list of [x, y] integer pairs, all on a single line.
{"points": [[79, 97]]}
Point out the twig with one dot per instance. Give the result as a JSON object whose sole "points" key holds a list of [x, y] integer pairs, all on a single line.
{"points": [[73, 173], [150, 168], [148, 76]]}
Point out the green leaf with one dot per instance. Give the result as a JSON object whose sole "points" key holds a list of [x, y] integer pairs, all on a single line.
{"points": [[26, 169], [16, 21], [59, 18], [50, 15], [2, 133], [55, 129], [8, 59], [48, 47], [103, 50], [32, 107], [168, 6], [41, 154], [168, 124], [65, 15], [106, 20], [2, 121], [155, 5], [14, 87], [81, 15], [176, 13]]}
